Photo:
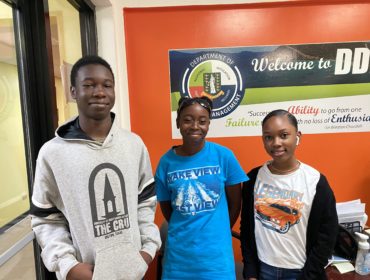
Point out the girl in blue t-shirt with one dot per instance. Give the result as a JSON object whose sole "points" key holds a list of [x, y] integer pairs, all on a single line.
{"points": [[199, 189]]}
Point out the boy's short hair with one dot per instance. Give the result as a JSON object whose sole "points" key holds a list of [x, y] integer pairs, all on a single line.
{"points": [[88, 60]]}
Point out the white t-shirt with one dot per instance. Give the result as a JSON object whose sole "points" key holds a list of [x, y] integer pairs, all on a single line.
{"points": [[282, 205]]}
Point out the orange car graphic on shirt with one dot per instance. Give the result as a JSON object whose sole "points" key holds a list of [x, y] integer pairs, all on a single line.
{"points": [[277, 215]]}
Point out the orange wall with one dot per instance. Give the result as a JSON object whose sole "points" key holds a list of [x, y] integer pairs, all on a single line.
{"points": [[150, 32]]}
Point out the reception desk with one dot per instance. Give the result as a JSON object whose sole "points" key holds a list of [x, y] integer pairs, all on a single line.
{"points": [[333, 274]]}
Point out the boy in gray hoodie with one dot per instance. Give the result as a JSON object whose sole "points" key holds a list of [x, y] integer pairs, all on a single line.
{"points": [[94, 200]]}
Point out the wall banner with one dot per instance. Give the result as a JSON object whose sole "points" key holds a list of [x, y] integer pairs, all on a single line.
{"points": [[326, 86]]}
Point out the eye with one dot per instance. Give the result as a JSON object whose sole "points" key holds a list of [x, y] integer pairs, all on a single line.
{"points": [[284, 135], [203, 121], [88, 85], [187, 120], [108, 85], [267, 137]]}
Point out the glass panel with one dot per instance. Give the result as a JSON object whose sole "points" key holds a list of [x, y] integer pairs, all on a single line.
{"points": [[20, 266], [14, 198], [66, 47]]}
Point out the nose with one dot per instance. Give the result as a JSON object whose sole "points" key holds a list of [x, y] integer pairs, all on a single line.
{"points": [[99, 91], [195, 125], [276, 141]]}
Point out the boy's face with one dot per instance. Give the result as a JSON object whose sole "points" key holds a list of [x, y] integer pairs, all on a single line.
{"points": [[94, 92]]}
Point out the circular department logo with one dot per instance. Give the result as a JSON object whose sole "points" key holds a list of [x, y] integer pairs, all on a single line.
{"points": [[217, 79]]}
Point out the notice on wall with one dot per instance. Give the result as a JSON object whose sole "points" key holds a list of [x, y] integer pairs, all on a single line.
{"points": [[326, 86]]}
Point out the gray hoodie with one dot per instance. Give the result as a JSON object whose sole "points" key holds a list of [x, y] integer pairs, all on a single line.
{"points": [[94, 203]]}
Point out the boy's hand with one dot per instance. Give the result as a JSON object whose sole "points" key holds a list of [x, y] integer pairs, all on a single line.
{"points": [[147, 258], [81, 271]]}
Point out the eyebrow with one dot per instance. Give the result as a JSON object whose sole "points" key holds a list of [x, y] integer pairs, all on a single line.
{"points": [[94, 78], [279, 131]]}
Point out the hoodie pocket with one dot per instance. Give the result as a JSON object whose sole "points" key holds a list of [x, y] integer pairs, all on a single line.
{"points": [[119, 262]]}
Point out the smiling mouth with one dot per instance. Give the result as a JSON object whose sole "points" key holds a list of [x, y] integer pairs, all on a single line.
{"points": [[98, 104], [278, 153], [195, 134]]}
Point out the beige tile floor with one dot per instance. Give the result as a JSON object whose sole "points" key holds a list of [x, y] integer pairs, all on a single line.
{"points": [[21, 266]]}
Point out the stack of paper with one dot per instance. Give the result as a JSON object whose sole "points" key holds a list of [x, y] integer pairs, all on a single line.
{"points": [[343, 265], [352, 213], [335, 259]]}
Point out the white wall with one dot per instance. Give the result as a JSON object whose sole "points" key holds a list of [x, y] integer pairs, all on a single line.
{"points": [[111, 40]]}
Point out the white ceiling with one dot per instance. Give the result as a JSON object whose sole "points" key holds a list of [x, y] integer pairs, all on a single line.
{"points": [[101, 3]]}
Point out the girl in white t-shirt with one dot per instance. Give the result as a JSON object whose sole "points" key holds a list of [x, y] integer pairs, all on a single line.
{"points": [[289, 219]]}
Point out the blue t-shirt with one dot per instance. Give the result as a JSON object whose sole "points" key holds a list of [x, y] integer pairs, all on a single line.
{"points": [[198, 243]]}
